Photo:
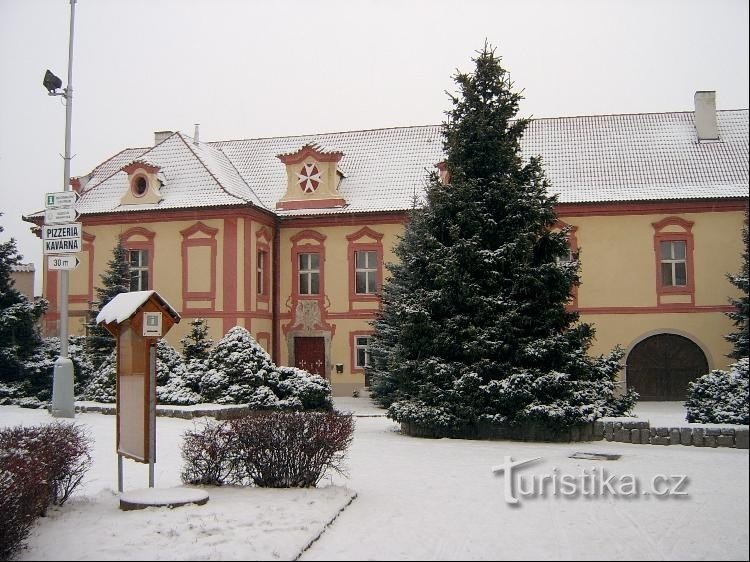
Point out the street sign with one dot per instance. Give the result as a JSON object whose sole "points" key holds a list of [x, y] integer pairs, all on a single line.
{"points": [[60, 199], [60, 216], [66, 263], [62, 238]]}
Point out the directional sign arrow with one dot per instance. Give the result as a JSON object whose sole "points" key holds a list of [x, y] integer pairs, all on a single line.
{"points": [[67, 263], [60, 199], [60, 216]]}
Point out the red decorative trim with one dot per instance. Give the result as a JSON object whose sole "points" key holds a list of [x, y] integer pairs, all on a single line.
{"points": [[129, 244], [311, 204], [318, 248], [187, 243], [309, 150], [119, 218], [343, 219], [355, 246], [247, 264], [87, 246], [685, 236], [662, 309], [262, 337], [229, 272], [650, 207], [137, 165], [353, 348], [50, 293], [263, 238]]}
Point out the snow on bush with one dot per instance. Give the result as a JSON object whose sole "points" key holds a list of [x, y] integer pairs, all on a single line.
{"points": [[720, 396], [268, 449], [171, 377], [101, 386], [239, 371], [34, 390]]}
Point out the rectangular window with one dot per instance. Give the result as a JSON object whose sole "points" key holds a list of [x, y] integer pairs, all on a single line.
{"points": [[365, 271], [362, 352], [138, 270], [261, 273], [309, 274], [673, 263]]}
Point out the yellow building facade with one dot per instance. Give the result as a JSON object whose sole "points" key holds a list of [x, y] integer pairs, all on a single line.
{"points": [[289, 237]]}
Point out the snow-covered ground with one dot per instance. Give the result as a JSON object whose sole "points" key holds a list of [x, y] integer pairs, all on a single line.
{"points": [[416, 499]]}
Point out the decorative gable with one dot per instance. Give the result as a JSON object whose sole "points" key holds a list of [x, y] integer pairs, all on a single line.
{"points": [[143, 184], [312, 179]]}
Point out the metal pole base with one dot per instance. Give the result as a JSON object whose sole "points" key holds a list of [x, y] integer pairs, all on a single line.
{"points": [[63, 404]]}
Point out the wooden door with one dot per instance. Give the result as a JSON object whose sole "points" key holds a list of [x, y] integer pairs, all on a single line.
{"points": [[310, 355], [660, 367]]}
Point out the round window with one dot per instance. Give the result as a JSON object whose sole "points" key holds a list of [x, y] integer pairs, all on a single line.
{"points": [[140, 186]]}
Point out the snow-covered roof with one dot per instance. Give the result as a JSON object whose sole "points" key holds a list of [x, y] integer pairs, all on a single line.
{"points": [[22, 267], [124, 305], [602, 158]]}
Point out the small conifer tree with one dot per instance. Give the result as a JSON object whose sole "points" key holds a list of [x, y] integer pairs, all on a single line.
{"points": [[115, 280], [19, 317]]}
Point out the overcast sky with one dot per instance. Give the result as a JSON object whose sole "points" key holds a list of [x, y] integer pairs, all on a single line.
{"points": [[247, 69]]}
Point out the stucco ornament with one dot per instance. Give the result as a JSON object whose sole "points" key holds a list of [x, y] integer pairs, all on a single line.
{"points": [[309, 178], [307, 315]]}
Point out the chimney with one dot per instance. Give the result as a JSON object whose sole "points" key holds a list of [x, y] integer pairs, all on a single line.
{"points": [[196, 138], [705, 116], [161, 136]]}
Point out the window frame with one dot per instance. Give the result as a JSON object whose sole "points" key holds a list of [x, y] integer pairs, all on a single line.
{"points": [[674, 229], [354, 336]]}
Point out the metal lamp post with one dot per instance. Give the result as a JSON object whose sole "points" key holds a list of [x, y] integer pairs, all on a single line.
{"points": [[62, 384]]}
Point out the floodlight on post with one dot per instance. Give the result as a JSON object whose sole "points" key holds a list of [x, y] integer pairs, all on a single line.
{"points": [[63, 401], [52, 83]]}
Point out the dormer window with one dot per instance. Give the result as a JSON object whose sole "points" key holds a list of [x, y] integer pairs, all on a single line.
{"points": [[313, 179], [140, 186], [143, 182]]}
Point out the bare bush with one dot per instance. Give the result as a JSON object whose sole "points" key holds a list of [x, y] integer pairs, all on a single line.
{"points": [[269, 449], [209, 454], [291, 449], [39, 466]]}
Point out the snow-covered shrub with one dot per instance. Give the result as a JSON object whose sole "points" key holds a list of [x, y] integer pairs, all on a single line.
{"points": [[235, 368], [239, 371], [171, 375], [39, 465], [313, 392], [101, 385], [34, 389], [268, 449], [720, 396]]}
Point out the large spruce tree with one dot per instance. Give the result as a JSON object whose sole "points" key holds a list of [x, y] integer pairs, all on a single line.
{"points": [[19, 317], [474, 326], [739, 315], [115, 280]]}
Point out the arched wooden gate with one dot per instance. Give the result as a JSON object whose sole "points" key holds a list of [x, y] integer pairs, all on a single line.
{"points": [[661, 366]]}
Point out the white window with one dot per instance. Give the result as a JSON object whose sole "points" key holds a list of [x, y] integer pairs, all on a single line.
{"points": [[138, 270], [362, 351], [366, 272], [309, 274], [673, 263]]}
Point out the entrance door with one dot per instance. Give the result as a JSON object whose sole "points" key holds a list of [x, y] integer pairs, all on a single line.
{"points": [[660, 367], [310, 355]]}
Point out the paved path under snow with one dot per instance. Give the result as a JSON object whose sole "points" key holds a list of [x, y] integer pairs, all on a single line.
{"points": [[421, 499]]}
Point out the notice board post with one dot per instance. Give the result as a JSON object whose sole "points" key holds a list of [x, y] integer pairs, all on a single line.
{"points": [[137, 320]]}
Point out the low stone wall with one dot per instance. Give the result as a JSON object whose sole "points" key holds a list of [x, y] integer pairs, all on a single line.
{"points": [[628, 430], [184, 412], [620, 430], [496, 433]]}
